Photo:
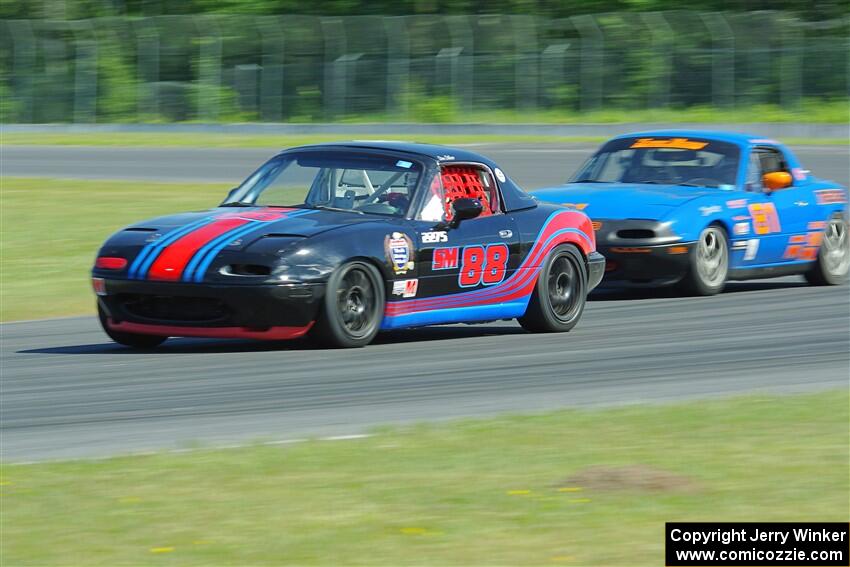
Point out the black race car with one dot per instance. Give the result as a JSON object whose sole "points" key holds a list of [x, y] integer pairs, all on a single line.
{"points": [[343, 240]]}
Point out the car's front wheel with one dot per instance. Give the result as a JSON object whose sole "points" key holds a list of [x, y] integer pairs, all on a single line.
{"points": [[709, 263], [833, 260], [134, 340], [353, 307], [560, 293]]}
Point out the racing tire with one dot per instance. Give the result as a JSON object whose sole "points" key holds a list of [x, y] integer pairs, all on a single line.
{"points": [[134, 340], [352, 309], [708, 263], [560, 293], [833, 261]]}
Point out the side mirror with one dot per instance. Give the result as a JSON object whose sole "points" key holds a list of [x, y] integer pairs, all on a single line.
{"points": [[465, 208], [776, 180]]}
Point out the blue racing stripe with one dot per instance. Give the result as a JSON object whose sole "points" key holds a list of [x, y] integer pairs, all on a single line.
{"points": [[211, 250], [156, 245], [224, 239]]}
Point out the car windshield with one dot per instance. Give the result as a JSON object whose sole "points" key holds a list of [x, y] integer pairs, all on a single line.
{"points": [[348, 181], [663, 160]]}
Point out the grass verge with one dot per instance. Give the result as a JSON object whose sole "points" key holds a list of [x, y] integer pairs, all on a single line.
{"points": [[51, 229], [513, 490], [223, 140]]}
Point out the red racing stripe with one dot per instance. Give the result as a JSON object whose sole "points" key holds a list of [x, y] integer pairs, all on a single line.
{"points": [[172, 261]]}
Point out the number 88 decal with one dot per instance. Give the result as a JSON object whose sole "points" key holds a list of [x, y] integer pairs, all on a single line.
{"points": [[481, 265]]}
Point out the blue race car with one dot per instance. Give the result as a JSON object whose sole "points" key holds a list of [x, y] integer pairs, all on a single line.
{"points": [[700, 208]]}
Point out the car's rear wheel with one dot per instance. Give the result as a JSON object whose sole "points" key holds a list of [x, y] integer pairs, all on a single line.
{"points": [[352, 308], [134, 340], [560, 293], [709, 263], [833, 260]]}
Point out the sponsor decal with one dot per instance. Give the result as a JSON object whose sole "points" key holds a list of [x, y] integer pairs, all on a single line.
{"points": [[676, 143], [578, 206], [741, 217], [741, 228], [765, 218], [435, 236], [751, 249], [404, 164], [445, 258], [445, 157], [406, 288], [830, 196], [816, 225], [737, 203], [803, 246], [713, 209], [399, 249], [499, 174], [799, 173]]}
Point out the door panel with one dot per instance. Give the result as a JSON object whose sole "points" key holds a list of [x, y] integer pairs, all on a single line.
{"points": [[478, 253]]}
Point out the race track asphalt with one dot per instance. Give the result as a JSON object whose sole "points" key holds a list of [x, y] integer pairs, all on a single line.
{"points": [[531, 165], [66, 391]]}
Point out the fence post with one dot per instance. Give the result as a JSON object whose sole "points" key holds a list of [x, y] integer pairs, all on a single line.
{"points": [[272, 72], [790, 62], [333, 31], [398, 64], [526, 76], [660, 33], [209, 67], [592, 59], [85, 72], [24, 48], [722, 58], [147, 57], [463, 68]]}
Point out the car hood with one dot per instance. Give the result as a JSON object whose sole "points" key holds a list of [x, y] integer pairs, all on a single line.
{"points": [[622, 200], [250, 222], [188, 246]]}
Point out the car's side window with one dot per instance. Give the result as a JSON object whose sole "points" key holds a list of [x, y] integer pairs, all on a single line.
{"points": [[753, 182], [457, 181], [763, 160]]}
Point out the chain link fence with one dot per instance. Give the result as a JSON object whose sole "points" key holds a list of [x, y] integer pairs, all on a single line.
{"points": [[212, 68]]}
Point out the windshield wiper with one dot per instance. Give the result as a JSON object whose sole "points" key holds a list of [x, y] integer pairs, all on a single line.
{"points": [[329, 208], [588, 181], [237, 204]]}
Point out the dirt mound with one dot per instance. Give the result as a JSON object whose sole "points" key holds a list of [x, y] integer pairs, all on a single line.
{"points": [[631, 477]]}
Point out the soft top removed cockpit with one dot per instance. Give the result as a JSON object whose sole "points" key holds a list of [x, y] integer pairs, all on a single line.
{"points": [[380, 178]]}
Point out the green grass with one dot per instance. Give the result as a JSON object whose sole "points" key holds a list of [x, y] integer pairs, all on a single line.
{"points": [[466, 493], [51, 229], [809, 111], [215, 140]]}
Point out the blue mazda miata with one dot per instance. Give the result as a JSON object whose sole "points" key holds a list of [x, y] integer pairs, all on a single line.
{"points": [[698, 208]]}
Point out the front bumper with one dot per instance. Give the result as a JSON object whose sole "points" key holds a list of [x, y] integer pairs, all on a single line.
{"points": [[272, 311], [595, 269], [645, 264]]}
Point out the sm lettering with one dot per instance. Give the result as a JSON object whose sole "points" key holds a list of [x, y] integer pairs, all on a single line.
{"points": [[445, 258]]}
